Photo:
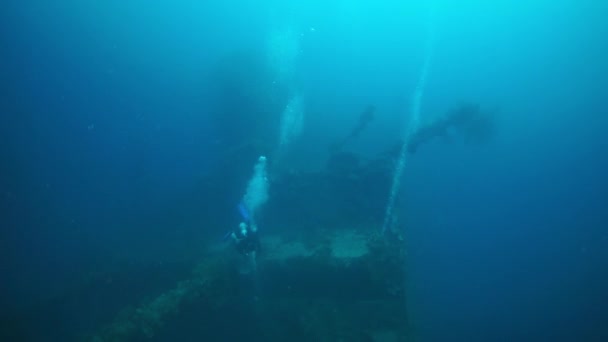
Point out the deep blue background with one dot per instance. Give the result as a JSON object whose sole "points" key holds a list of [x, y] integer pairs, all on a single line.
{"points": [[103, 121]]}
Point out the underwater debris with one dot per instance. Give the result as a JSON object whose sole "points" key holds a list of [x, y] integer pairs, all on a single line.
{"points": [[339, 277], [467, 120], [348, 192], [365, 118], [144, 321]]}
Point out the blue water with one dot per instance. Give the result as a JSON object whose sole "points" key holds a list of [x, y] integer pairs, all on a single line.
{"points": [[104, 120]]}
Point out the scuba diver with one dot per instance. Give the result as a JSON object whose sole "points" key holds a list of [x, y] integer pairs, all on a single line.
{"points": [[246, 240], [247, 245]]}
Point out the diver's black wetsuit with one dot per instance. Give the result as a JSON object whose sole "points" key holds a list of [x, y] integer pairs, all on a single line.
{"points": [[248, 244]]}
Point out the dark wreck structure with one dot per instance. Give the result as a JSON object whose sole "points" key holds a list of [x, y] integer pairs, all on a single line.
{"points": [[324, 271]]}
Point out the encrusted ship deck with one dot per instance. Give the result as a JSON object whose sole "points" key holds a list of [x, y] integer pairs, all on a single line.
{"points": [[336, 286]]}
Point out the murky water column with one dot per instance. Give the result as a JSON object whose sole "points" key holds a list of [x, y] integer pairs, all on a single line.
{"points": [[412, 127], [283, 52], [291, 121]]}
